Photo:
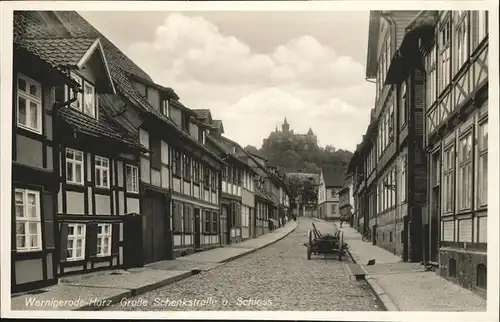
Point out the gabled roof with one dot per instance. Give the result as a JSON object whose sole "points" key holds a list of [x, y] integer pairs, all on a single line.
{"points": [[217, 124], [333, 175], [202, 113], [66, 52]]}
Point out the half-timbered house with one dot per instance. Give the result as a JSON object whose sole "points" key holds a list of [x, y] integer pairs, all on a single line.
{"points": [[34, 173], [91, 154], [456, 139], [390, 176]]}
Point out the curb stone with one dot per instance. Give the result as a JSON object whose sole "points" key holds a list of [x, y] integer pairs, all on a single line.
{"points": [[146, 288], [377, 289]]}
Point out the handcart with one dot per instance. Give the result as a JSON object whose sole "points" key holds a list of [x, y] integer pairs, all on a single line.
{"points": [[326, 243]]}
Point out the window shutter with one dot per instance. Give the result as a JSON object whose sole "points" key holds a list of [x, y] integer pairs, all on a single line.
{"points": [[92, 239], [63, 245], [115, 239]]}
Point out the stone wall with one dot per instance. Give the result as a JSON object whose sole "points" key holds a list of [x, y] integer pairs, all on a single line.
{"points": [[466, 272]]}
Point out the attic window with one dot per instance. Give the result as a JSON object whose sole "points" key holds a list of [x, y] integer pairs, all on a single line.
{"points": [[234, 150], [86, 101], [165, 108]]}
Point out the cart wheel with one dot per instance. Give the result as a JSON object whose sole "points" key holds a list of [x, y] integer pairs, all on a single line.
{"points": [[308, 252], [310, 238]]}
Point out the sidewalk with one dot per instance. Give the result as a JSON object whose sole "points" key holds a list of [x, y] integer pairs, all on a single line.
{"points": [[407, 286], [97, 290]]}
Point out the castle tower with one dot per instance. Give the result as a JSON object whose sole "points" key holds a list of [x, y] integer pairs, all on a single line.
{"points": [[285, 127], [311, 135]]}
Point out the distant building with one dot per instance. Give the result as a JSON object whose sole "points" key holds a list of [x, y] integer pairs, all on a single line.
{"points": [[310, 139], [331, 180], [346, 202]]}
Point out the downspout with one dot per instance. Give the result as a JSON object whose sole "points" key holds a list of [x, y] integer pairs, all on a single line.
{"points": [[55, 120]]}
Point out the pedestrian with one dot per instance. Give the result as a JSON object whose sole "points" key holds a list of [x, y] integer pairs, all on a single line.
{"points": [[341, 221]]}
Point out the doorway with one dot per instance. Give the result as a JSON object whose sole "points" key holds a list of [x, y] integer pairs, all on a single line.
{"points": [[197, 230], [155, 228], [435, 208]]}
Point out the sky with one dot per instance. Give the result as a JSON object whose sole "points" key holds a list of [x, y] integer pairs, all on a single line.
{"points": [[253, 69]]}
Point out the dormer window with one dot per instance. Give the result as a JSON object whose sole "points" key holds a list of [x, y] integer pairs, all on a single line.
{"points": [[185, 123], [165, 108], [85, 102]]}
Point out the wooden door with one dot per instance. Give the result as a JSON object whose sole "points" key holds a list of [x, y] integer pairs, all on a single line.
{"points": [[159, 231]]}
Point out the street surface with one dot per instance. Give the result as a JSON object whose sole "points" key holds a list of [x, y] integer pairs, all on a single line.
{"points": [[278, 277]]}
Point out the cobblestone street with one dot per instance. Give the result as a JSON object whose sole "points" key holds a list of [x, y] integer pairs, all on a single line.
{"points": [[278, 277]]}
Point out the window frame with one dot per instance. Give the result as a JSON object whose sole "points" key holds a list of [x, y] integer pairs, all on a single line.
{"points": [[74, 162], [461, 38], [165, 107], [75, 237], [104, 236], [29, 98], [101, 169], [25, 220], [186, 167], [403, 105], [176, 163], [134, 187], [448, 173], [444, 53], [482, 154], [465, 189], [81, 96]]}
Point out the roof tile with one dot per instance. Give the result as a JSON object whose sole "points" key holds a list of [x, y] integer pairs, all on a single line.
{"points": [[59, 52]]}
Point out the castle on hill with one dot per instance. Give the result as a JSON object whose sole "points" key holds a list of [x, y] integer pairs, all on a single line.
{"points": [[287, 134]]}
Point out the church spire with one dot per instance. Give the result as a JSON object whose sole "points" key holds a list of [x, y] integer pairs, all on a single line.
{"points": [[310, 132], [285, 121]]}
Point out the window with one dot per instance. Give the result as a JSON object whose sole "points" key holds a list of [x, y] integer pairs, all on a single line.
{"points": [[103, 240], [177, 216], [390, 121], [461, 41], [165, 108], [79, 99], [187, 167], [403, 105], [89, 99], [188, 218], [132, 174], [334, 209], [404, 160], [74, 166], [76, 242], [333, 192], [29, 104], [155, 147], [444, 54], [465, 174], [482, 193], [208, 221], [431, 80], [185, 122], [85, 102], [206, 177], [101, 172], [176, 164], [479, 27], [196, 171], [448, 179], [28, 227], [214, 181], [215, 224]]}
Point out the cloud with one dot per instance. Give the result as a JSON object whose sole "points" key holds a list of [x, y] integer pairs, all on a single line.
{"points": [[250, 91]]}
